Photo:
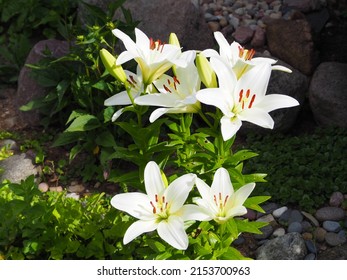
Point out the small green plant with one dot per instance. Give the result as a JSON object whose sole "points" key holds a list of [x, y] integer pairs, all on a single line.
{"points": [[303, 170]]}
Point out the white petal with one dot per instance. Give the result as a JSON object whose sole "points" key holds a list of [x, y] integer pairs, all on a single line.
{"points": [[257, 116], [192, 212], [135, 204], [276, 101], [117, 114], [236, 211], [256, 80], [153, 181], [221, 183], [226, 77], [178, 191], [215, 97], [129, 44], [243, 193], [229, 127], [137, 228], [210, 53], [203, 188], [121, 98], [172, 231], [157, 99], [124, 57], [224, 47], [157, 114], [281, 68]]}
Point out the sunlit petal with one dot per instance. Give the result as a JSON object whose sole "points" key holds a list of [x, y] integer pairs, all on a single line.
{"points": [[153, 181], [229, 127], [137, 228], [276, 101], [172, 231], [257, 116]]}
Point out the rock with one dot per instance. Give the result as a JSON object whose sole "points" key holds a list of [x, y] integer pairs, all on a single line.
{"points": [[56, 189], [243, 34], [213, 26], [9, 144], [266, 232], [74, 196], [28, 88], [311, 218], [284, 218], [307, 236], [306, 226], [311, 247], [295, 216], [17, 168], [266, 218], [336, 199], [330, 213], [299, 49], [43, 187], [334, 239], [278, 212], [331, 226], [310, 257], [251, 215], [336, 253], [295, 227], [259, 38], [159, 18], [327, 98], [279, 232], [288, 247], [304, 6], [75, 188], [319, 234]]}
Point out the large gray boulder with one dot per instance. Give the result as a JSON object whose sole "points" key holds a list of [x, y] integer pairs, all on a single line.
{"points": [[328, 94], [159, 18], [290, 246], [28, 88]]}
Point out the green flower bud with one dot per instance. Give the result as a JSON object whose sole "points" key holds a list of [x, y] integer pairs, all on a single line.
{"points": [[109, 62], [206, 73]]}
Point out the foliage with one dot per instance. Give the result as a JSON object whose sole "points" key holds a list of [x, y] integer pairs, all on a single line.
{"points": [[23, 22], [78, 85], [302, 170], [51, 225]]}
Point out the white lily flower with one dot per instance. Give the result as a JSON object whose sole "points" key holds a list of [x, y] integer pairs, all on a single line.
{"points": [[136, 87], [176, 94], [243, 99], [220, 202], [239, 59], [160, 209], [153, 57]]}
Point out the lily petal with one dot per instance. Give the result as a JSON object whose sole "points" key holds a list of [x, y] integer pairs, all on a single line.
{"points": [[276, 101], [172, 231], [257, 116], [222, 183], [215, 97], [153, 181], [192, 212], [121, 98], [137, 228], [135, 204], [229, 127]]}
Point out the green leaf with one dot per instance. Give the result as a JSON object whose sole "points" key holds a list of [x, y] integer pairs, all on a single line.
{"points": [[251, 227], [106, 139], [253, 202], [83, 123]]}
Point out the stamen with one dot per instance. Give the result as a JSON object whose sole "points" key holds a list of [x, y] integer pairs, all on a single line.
{"points": [[154, 209], [247, 93], [176, 80], [251, 103], [240, 95], [132, 79], [241, 51], [167, 89], [156, 198], [226, 199]]}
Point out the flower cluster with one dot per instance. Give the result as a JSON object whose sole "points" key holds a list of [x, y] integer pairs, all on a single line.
{"points": [[233, 81], [240, 93], [163, 208]]}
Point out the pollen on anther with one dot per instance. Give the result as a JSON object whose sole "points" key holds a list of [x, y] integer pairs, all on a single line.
{"points": [[240, 95], [167, 89], [251, 103]]}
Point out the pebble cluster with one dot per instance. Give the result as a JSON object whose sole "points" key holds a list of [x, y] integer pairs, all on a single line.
{"points": [[245, 20], [326, 228]]}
